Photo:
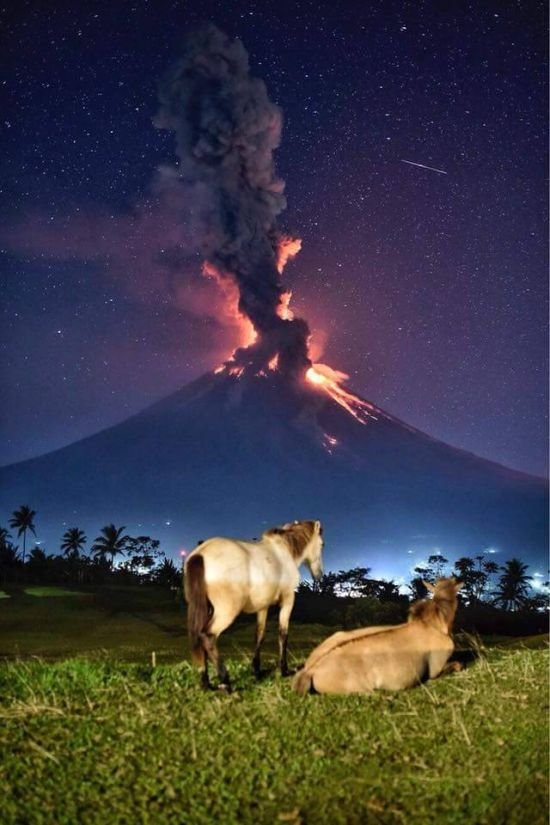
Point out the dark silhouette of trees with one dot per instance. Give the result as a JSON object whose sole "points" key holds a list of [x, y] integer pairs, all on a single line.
{"points": [[23, 520], [325, 586], [436, 563], [73, 541], [473, 581], [143, 553], [168, 575], [348, 598], [10, 565], [38, 564], [433, 569], [513, 585], [354, 582], [387, 591], [111, 542]]}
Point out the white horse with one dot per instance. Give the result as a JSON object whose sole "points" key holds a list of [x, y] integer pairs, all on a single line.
{"points": [[225, 577]]}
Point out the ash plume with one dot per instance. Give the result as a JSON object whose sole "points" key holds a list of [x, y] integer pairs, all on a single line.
{"points": [[225, 184]]}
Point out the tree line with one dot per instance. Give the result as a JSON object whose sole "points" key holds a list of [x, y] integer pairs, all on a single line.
{"points": [[507, 586], [144, 561], [483, 581]]}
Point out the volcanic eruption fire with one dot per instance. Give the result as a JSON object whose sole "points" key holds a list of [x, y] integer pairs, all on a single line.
{"points": [[226, 131]]}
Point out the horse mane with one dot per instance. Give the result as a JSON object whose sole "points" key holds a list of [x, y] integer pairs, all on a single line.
{"points": [[424, 611], [296, 536]]}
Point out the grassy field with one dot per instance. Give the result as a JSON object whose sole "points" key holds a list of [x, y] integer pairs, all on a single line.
{"points": [[100, 736]]}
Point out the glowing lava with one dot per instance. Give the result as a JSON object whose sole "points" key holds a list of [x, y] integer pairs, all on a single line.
{"points": [[323, 377], [330, 381]]}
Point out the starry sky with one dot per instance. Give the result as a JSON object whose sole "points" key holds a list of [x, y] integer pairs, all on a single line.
{"points": [[427, 287]]}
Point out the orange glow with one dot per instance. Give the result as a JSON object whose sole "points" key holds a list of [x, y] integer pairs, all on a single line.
{"points": [[247, 333], [287, 248], [330, 381], [323, 377], [283, 310], [315, 377]]}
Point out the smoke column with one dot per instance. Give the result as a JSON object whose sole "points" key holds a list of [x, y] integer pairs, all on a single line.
{"points": [[226, 130]]}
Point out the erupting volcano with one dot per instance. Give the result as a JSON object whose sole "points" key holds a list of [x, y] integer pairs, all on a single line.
{"points": [[226, 187], [226, 131], [268, 435]]}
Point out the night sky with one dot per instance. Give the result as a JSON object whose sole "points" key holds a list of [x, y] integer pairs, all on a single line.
{"points": [[427, 287]]}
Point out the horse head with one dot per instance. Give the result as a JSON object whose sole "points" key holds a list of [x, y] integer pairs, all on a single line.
{"points": [[313, 555], [441, 608]]}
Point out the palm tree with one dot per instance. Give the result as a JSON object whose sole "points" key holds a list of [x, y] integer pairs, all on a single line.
{"points": [[22, 520], [513, 585], [8, 552], [73, 541], [111, 542]]}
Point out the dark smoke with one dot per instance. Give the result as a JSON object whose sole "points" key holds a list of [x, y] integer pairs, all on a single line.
{"points": [[226, 131]]}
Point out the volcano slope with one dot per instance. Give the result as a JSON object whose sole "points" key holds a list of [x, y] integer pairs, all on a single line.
{"points": [[234, 454]]}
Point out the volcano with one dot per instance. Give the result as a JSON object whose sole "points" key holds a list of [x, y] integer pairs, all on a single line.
{"points": [[269, 436], [236, 453]]}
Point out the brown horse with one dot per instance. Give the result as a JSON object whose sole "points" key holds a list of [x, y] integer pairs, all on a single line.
{"points": [[225, 577], [388, 657]]}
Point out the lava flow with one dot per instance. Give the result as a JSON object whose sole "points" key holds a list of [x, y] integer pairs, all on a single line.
{"points": [[329, 380]]}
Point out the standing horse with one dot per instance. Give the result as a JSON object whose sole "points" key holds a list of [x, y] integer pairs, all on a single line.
{"points": [[388, 657], [225, 577]]}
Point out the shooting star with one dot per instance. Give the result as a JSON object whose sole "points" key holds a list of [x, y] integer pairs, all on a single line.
{"points": [[422, 166]]}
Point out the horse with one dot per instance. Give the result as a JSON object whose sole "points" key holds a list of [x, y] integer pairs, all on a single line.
{"points": [[390, 657], [224, 577]]}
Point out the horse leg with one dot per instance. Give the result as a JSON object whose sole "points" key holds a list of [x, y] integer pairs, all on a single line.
{"points": [[284, 619], [261, 618], [205, 679], [209, 641]]}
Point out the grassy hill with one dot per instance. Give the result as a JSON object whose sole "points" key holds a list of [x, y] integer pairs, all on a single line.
{"points": [[98, 735]]}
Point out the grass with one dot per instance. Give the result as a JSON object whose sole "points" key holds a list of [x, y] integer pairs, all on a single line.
{"points": [[44, 590], [129, 622], [98, 738]]}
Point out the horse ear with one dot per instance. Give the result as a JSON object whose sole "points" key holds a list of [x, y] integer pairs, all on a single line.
{"points": [[317, 526], [458, 585], [429, 586]]}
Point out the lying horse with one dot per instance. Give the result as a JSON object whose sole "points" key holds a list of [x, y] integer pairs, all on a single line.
{"points": [[388, 657], [225, 577]]}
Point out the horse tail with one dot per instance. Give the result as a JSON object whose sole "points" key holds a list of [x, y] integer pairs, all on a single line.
{"points": [[303, 682], [198, 606]]}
